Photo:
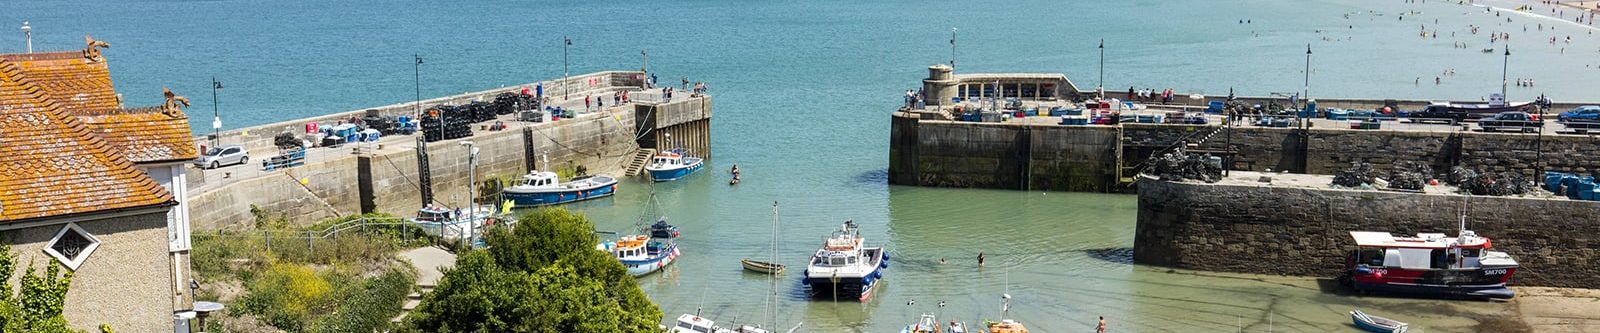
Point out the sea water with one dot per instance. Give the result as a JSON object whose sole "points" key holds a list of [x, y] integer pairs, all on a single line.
{"points": [[803, 94]]}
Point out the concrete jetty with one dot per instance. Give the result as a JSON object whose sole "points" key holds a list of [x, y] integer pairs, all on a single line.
{"points": [[390, 175], [1297, 225], [930, 147]]}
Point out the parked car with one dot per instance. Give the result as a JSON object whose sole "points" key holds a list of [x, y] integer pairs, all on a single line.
{"points": [[1586, 112], [220, 156], [1513, 120], [1449, 112]]}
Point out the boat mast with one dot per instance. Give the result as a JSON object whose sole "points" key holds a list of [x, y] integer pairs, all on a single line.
{"points": [[772, 292]]}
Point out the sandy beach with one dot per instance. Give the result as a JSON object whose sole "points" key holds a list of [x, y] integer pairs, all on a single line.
{"points": [[1558, 309]]}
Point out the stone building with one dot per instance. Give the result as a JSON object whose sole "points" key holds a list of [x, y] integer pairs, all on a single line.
{"points": [[96, 187]]}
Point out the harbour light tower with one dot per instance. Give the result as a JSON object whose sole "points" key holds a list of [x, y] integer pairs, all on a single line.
{"points": [[27, 33]]}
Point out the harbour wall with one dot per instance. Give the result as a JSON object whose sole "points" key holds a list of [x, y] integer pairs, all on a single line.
{"points": [[258, 140], [389, 179], [928, 151], [1304, 231]]}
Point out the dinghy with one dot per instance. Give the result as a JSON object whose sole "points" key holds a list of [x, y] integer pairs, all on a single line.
{"points": [[1376, 324]]}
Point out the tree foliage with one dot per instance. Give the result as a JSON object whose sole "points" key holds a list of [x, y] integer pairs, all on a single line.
{"points": [[36, 307], [543, 276]]}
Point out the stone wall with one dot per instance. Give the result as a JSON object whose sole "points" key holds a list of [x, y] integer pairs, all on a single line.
{"points": [[387, 179], [932, 152], [259, 139], [126, 282], [1304, 231], [1000, 155]]}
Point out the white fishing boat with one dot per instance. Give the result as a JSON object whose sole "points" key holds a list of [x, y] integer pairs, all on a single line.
{"points": [[541, 188], [672, 164], [454, 225], [1377, 324], [640, 254], [844, 267]]}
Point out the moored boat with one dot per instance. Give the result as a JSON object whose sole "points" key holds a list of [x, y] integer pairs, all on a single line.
{"points": [[925, 324], [640, 254], [1377, 324], [455, 224], [663, 230], [761, 266], [541, 188], [672, 165], [1005, 325], [844, 268], [1428, 265]]}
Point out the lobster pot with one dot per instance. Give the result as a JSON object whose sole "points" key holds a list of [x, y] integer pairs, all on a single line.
{"points": [[457, 124]]}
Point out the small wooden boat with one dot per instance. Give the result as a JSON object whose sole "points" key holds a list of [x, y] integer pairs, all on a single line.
{"points": [[762, 266], [1376, 324]]}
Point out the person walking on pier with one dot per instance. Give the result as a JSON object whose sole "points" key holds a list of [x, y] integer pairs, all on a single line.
{"points": [[586, 102]]}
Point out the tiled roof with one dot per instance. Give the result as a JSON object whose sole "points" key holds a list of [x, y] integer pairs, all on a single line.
{"points": [[83, 88], [51, 164], [144, 134], [70, 79]]}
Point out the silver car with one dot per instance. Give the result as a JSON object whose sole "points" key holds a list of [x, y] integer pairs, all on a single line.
{"points": [[220, 156]]}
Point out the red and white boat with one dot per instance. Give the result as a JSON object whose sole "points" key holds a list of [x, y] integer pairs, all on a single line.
{"points": [[1428, 265]]}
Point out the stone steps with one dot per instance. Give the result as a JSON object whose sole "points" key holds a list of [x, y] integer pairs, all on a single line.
{"points": [[639, 160], [412, 301]]}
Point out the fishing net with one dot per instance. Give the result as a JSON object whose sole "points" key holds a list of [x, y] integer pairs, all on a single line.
{"points": [[1177, 166]]}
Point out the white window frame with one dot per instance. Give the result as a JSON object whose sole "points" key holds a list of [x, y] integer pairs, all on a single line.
{"points": [[72, 264]]}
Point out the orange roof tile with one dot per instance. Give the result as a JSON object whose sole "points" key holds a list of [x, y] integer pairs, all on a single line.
{"points": [[145, 134], [51, 164], [83, 88]]}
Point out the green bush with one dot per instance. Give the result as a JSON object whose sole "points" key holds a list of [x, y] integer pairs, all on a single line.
{"points": [[286, 295], [542, 276], [369, 310]]}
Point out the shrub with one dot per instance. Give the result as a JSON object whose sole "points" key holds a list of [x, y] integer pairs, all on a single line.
{"points": [[285, 295]]}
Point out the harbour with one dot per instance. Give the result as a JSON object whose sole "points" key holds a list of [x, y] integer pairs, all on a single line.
{"points": [[805, 99]]}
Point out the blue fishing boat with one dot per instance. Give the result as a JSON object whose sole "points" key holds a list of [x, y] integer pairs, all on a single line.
{"points": [[540, 188], [672, 164], [640, 254]]}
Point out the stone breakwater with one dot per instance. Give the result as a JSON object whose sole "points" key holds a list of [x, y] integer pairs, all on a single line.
{"points": [[927, 151], [1267, 229], [387, 177]]}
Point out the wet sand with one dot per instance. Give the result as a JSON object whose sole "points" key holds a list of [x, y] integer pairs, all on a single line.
{"points": [[1558, 309]]}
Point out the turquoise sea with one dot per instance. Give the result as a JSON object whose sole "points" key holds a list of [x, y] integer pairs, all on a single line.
{"points": [[803, 92]]}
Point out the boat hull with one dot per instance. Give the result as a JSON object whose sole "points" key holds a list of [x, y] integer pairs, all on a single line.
{"points": [[761, 267], [638, 268], [675, 173], [856, 286], [535, 198], [1376, 324], [1469, 283]]}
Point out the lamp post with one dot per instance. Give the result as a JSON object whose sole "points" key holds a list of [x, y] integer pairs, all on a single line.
{"points": [[418, 82], [1102, 84], [1505, 68], [565, 91], [952, 49], [472, 195], [27, 33], [216, 116], [1305, 94], [646, 55]]}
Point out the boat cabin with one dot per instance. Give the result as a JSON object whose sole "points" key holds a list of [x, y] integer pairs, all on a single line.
{"points": [[669, 157], [1426, 251], [841, 250], [688, 323], [540, 179], [631, 246], [433, 214]]}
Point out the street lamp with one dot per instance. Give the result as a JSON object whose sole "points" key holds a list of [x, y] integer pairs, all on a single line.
{"points": [[646, 54], [216, 116], [1305, 95], [952, 49], [472, 195], [419, 86], [27, 33], [565, 92], [1505, 68], [1102, 84]]}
